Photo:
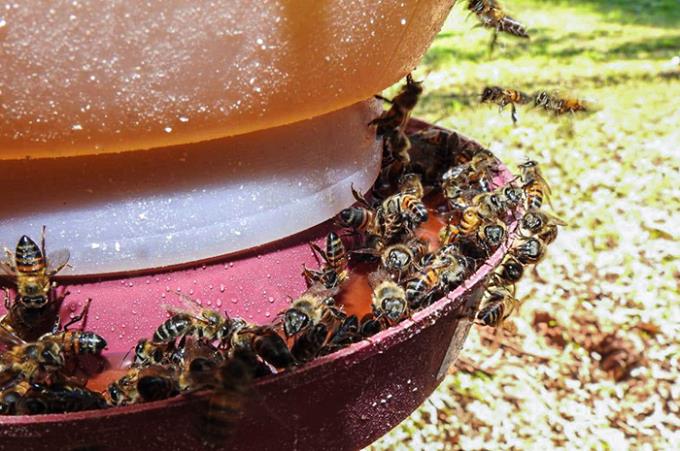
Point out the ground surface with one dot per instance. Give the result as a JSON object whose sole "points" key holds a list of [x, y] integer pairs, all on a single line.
{"points": [[615, 269]]}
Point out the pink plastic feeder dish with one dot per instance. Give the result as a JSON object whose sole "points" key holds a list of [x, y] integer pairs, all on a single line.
{"points": [[341, 401]]}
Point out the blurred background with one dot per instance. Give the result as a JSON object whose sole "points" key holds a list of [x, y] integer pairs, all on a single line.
{"points": [[594, 361]]}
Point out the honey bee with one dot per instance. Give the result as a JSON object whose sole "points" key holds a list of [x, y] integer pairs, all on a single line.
{"points": [[471, 221], [420, 289], [311, 308], [124, 390], [346, 334], [402, 105], [497, 203], [528, 251], [491, 15], [491, 234], [334, 272], [396, 146], [263, 342], [35, 306], [504, 97], [402, 211], [11, 396], [225, 409], [536, 189], [497, 306], [76, 342], [388, 298], [453, 267], [156, 382], [362, 217], [32, 361], [309, 344], [411, 183], [58, 399], [148, 352], [509, 272], [558, 104], [202, 324], [398, 259], [541, 225]]}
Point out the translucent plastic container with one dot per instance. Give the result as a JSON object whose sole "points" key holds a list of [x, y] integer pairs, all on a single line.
{"points": [[165, 207]]}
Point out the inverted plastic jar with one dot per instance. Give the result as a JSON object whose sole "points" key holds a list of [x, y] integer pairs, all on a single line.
{"points": [[183, 204], [92, 77]]}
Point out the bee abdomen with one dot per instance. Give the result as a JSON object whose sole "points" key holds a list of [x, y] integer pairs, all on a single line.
{"points": [[174, 327]]}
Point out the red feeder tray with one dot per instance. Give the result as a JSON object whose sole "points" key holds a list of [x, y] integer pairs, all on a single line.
{"points": [[345, 400]]}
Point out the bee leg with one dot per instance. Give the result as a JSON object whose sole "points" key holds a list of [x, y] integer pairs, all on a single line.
{"points": [[7, 298], [42, 240], [513, 114], [318, 252], [83, 314], [494, 40], [384, 99], [360, 198]]}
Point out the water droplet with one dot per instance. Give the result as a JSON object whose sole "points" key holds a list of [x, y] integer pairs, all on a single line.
{"points": [[130, 284], [218, 302], [209, 302], [167, 129], [402, 21], [271, 299], [191, 291], [222, 288], [267, 314], [234, 301], [183, 119], [3, 22], [163, 295], [259, 41], [76, 127], [71, 315]]}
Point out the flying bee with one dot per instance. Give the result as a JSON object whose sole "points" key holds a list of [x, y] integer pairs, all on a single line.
{"points": [[31, 269], [557, 104], [396, 147], [491, 15], [202, 324], [504, 97], [497, 306], [225, 408], [536, 189], [312, 307], [388, 298], [541, 225], [528, 251], [400, 111]]}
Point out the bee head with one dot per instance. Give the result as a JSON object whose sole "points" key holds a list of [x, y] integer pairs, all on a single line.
{"points": [[33, 301], [294, 321], [394, 307], [494, 234]]}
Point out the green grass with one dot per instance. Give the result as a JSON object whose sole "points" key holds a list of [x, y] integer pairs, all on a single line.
{"points": [[614, 175]]}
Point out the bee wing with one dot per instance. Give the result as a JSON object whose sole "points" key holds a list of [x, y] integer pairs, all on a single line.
{"points": [[7, 263], [8, 336], [57, 260], [556, 220]]}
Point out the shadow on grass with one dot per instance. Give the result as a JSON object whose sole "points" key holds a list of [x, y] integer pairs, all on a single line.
{"points": [[658, 13]]}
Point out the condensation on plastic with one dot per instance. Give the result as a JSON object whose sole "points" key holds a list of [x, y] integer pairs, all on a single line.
{"points": [[84, 77], [151, 209]]}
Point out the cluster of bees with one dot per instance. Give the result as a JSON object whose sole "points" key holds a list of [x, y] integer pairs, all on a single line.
{"points": [[40, 367], [433, 217]]}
